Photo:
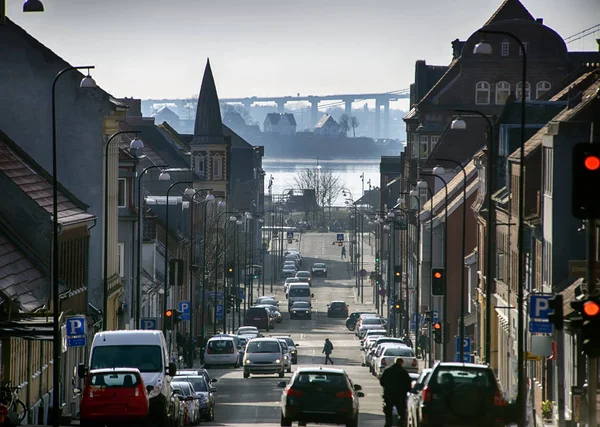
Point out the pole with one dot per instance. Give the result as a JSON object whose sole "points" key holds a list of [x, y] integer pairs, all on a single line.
{"points": [[592, 362], [191, 271], [203, 310], [226, 285], [418, 284], [431, 346], [362, 257], [560, 347]]}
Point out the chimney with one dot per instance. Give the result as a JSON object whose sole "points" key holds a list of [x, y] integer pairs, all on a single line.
{"points": [[539, 20], [135, 107], [457, 46]]}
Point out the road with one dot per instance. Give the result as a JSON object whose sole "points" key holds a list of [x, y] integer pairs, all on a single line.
{"points": [[255, 400]]}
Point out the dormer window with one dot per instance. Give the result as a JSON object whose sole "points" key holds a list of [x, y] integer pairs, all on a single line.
{"points": [[217, 171], [482, 93], [199, 164], [542, 88], [505, 48]]}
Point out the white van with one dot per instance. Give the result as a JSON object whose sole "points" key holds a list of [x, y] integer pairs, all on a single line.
{"points": [[145, 350], [299, 292]]}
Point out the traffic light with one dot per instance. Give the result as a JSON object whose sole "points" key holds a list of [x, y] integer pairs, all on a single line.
{"points": [[177, 317], [591, 326], [377, 257], [438, 281], [168, 319], [437, 332], [397, 273], [230, 270], [378, 279], [397, 306], [586, 174], [556, 317]]}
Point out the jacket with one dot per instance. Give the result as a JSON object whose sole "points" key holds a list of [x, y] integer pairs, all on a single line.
{"points": [[396, 382], [328, 347]]}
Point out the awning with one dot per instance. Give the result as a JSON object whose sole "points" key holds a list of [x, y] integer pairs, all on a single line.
{"points": [[30, 328]]}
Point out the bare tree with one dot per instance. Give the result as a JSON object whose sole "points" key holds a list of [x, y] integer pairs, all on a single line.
{"points": [[344, 123], [354, 124], [326, 184], [236, 108]]}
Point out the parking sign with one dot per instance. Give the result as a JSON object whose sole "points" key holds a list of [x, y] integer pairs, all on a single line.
{"points": [[184, 308], [75, 326], [149, 323]]}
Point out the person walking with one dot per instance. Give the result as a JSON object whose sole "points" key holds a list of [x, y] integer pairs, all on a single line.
{"points": [[396, 384], [343, 252], [423, 341], [327, 350]]}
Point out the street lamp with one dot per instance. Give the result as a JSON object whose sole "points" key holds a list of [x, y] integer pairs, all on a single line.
{"points": [[135, 145], [423, 184], [216, 268], [415, 194], [209, 198], [88, 83], [439, 170]]}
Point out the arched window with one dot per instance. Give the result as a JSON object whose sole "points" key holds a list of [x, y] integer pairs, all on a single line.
{"points": [[199, 165], [502, 92], [482, 93], [527, 91], [542, 88]]}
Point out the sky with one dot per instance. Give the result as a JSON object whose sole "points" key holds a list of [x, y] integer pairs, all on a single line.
{"points": [[158, 48]]}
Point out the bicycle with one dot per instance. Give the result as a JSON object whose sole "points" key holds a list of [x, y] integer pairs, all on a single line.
{"points": [[10, 397]]}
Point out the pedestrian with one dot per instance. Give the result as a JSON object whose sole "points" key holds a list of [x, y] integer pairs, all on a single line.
{"points": [[396, 384], [423, 345], [343, 252], [327, 349]]}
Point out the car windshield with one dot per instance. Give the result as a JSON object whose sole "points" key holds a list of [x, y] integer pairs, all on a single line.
{"points": [[263, 347], [399, 352], [337, 304], [247, 331], [266, 301], [459, 376], [318, 265], [299, 292], [146, 358], [303, 274], [115, 380], [371, 321], [198, 382], [321, 380], [301, 304], [283, 345], [289, 341], [183, 387], [220, 346]]}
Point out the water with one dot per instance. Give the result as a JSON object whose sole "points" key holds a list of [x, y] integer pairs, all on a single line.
{"points": [[284, 170]]}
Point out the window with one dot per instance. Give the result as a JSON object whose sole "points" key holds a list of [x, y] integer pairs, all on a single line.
{"points": [[217, 170], [146, 358], [526, 44], [527, 91], [121, 254], [122, 193], [482, 93], [199, 165], [548, 161], [542, 88], [414, 146], [434, 140], [220, 347], [505, 48], [424, 146], [423, 196], [502, 92]]}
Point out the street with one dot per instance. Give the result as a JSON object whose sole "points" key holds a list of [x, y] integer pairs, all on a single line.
{"points": [[256, 400]]}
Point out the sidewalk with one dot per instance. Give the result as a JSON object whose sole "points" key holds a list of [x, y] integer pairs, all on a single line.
{"points": [[366, 262]]}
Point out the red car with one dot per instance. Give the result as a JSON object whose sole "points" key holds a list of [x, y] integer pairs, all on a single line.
{"points": [[114, 395]]}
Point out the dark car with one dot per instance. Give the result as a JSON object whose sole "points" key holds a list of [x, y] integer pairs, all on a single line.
{"points": [[205, 393], [337, 309], [300, 309], [320, 395], [259, 317], [319, 269], [464, 394], [353, 318]]}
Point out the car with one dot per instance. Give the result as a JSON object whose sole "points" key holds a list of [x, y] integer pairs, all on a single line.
{"points": [[258, 317], [304, 276], [205, 391], [239, 341], [291, 345], [221, 350], [465, 394], [353, 318], [266, 300], [187, 396], [369, 323], [198, 372], [299, 292], [272, 311], [288, 270], [248, 332], [390, 353], [319, 269], [373, 342], [288, 282], [320, 395], [337, 309], [373, 332], [414, 398], [264, 356], [287, 357], [300, 309]]}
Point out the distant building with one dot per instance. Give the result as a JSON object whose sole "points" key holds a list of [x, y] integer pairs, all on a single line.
{"points": [[234, 121], [165, 114], [283, 124], [327, 126]]}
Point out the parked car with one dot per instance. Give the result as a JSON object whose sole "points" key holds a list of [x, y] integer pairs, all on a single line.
{"points": [[189, 400], [112, 396], [266, 300], [205, 392], [248, 332], [320, 395], [414, 398], [201, 372], [263, 356], [392, 351], [319, 269], [337, 309], [221, 350], [370, 323], [353, 319]]}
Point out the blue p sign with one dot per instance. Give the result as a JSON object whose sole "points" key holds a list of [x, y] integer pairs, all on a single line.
{"points": [[75, 326], [148, 323]]}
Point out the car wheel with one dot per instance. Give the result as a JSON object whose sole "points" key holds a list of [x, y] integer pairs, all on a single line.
{"points": [[285, 421], [211, 414], [246, 374], [281, 374]]}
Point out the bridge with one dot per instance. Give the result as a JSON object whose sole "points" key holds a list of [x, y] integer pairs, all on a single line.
{"points": [[381, 100]]}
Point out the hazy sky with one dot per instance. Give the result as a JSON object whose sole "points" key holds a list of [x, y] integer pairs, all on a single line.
{"points": [[158, 48]]}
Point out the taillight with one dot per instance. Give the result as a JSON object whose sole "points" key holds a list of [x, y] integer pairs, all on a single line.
{"points": [[426, 394], [414, 363], [344, 394], [499, 399], [292, 392], [137, 392]]}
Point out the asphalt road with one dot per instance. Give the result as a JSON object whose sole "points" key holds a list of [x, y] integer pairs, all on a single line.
{"points": [[255, 401]]}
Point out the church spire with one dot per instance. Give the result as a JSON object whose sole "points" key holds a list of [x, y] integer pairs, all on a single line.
{"points": [[209, 126]]}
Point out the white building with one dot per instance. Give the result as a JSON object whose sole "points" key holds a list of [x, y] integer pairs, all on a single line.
{"points": [[281, 123], [327, 126]]}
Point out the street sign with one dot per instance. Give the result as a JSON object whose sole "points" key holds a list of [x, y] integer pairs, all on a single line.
{"points": [[184, 308], [219, 311], [435, 316], [290, 234], [540, 327], [466, 350], [242, 293], [363, 273], [539, 308], [149, 323], [75, 326], [340, 237]]}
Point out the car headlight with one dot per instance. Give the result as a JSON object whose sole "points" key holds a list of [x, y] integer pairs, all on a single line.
{"points": [[247, 361], [294, 351], [277, 361]]}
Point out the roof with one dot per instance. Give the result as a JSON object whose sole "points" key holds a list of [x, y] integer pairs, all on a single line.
{"points": [[326, 118], [308, 369], [510, 9], [208, 125], [35, 182], [114, 370], [457, 200], [443, 82], [273, 118]]}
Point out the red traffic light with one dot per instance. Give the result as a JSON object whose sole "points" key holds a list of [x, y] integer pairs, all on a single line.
{"points": [[437, 275], [591, 308], [437, 326], [592, 162], [169, 313]]}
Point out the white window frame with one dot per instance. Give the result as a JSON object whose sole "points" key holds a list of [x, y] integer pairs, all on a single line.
{"points": [[483, 87], [505, 48], [200, 163], [218, 162], [501, 89], [433, 139], [424, 146], [548, 161], [121, 256], [122, 191], [527, 91], [543, 87]]}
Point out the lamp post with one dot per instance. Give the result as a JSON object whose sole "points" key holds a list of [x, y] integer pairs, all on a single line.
{"points": [[491, 229], [136, 144], [230, 219], [164, 176], [485, 48], [209, 197], [423, 184], [237, 284], [445, 261], [438, 170], [216, 268], [86, 82], [166, 260], [415, 194]]}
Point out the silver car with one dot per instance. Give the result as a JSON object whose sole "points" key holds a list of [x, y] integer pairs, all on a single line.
{"points": [[264, 356]]}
